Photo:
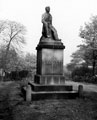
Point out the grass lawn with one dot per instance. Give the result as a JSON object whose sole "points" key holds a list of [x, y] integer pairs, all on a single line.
{"points": [[13, 107]]}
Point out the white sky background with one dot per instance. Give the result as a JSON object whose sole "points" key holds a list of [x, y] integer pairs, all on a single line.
{"points": [[68, 16]]}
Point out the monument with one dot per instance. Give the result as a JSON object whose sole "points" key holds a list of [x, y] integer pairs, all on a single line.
{"points": [[49, 81], [49, 54]]}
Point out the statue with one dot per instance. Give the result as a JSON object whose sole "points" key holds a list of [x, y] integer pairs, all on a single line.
{"points": [[48, 31]]}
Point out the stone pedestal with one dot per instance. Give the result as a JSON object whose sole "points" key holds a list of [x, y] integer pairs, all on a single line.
{"points": [[50, 62], [49, 81]]}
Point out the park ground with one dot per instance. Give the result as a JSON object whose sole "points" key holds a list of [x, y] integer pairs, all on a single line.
{"points": [[13, 106]]}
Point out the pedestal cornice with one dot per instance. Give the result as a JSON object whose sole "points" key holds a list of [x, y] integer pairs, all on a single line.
{"points": [[50, 44]]}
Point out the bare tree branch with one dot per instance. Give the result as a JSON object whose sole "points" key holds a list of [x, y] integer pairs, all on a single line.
{"points": [[13, 34]]}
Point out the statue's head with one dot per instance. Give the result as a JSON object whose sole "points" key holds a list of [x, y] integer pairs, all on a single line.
{"points": [[47, 9]]}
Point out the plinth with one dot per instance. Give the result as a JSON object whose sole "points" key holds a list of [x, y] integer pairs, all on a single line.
{"points": [[50, 62], [49, 81]]}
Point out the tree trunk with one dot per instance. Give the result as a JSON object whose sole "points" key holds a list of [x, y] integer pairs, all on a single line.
{"points": [[6, 55]]}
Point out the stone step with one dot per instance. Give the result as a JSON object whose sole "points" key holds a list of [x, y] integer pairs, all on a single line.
{"points": [[54, 95], [37, 87]]}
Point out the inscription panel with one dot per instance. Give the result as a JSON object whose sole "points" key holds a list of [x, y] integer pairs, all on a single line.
{"points": [[52, 61]]}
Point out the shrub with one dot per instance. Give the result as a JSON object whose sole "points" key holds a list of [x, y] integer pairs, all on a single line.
{"points": [[83, 74]]}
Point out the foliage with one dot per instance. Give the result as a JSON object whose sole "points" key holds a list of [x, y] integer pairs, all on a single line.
{"points": [[89, 34], [79, 58], [67, 73], [30, 60], [12, 33], [12, 37], [83, 74], [86, 55], [16, 62], [12, 60], [81, 71], [89, 31]]}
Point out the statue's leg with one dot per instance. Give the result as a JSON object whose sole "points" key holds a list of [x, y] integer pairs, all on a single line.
{"points": [[55, 33], [47, 30]]}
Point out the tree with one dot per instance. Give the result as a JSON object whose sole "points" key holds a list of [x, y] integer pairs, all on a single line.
{"points": [[2, 26], [13, 60], [89, 34], [30, 60], [82, 56], [78, 58], [12, 36], [16, 62]]}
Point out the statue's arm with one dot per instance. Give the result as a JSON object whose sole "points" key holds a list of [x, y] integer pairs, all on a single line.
{"points": [[51, 19], [43, 19]]}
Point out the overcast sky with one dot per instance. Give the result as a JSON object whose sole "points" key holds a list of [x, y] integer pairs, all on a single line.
{"points": [[68, 16]]}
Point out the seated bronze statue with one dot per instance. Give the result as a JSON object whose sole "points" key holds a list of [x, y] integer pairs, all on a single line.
{"points": [[48, 31]]}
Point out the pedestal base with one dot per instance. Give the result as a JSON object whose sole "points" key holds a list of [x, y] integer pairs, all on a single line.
{"points": [[40, 92], [46, 88], [54, 95], [49, 79], [49, 82]]}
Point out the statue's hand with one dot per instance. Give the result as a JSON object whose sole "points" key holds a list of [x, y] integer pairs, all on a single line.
{"points": [[50, 25]]}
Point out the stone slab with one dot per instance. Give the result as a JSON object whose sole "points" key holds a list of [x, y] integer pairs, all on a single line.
{"points": [[54, 95], [37, 87]]}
